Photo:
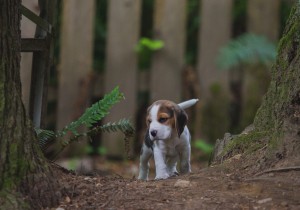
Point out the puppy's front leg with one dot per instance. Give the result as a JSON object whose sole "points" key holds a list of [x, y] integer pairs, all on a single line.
{"points": [[160, 160], [146, 154]]}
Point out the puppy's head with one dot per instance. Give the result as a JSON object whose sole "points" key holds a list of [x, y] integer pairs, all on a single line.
{"points": [[165, 118]]}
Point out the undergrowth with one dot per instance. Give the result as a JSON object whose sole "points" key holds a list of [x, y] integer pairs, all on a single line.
{"points": [[88, 120]]}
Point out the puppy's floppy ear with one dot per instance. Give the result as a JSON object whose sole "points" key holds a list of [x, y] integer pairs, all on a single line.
{"points": [[181, 119]]}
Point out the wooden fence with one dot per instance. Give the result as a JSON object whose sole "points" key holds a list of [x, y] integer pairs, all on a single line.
{"points": [[168, 77]]}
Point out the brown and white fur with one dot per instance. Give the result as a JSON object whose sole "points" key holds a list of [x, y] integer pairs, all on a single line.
{"points": [[167, 139]]}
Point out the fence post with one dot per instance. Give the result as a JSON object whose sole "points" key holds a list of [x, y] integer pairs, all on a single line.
{"points": [[41, 64]]}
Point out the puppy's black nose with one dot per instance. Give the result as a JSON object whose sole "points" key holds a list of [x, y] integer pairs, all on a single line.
{"points": [[153, 133]]}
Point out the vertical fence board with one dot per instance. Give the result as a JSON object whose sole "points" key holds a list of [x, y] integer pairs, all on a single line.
{"points": [[215, 31], [167, 65], [121, 65], [76, 56], [263, 18]]}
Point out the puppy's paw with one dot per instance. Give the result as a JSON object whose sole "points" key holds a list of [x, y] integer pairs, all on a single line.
{"points": [[175, 174], [162, 176], [143, 178]]}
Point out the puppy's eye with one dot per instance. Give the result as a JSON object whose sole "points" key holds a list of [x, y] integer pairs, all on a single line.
{"points": [[149, 121], [162, 119]]}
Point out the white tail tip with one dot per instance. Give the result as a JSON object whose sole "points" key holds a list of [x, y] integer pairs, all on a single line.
{"points": [[187, 104]]}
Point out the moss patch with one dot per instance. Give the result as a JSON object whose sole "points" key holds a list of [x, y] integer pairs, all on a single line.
{"points": [[245, 143]]}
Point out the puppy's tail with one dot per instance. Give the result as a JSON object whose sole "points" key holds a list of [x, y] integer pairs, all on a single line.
{"points": [[188, 103]]}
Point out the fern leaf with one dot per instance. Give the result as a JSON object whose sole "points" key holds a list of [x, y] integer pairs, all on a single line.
{"points": [[96, 112], [92, 115], [246, 49], [45, 137], [122, 125]]}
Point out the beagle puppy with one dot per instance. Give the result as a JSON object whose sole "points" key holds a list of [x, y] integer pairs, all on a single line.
{"points": [[167, 139]]}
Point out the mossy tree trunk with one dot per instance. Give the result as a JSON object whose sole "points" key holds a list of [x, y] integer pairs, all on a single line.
{"points": [[279, 113], [285, 84], [24, 172], [275, 139]]}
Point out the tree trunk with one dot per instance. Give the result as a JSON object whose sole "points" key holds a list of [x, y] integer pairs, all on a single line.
{"points": [[23, 170], [168, 63], [279, 113], [274, 138], [121, 66], [215, 31]]}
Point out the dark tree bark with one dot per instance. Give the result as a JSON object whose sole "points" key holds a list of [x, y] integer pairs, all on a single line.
{"points": [[24, 172]]}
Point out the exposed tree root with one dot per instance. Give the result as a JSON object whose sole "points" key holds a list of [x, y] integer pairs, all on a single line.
{"points": [[285, 169]]}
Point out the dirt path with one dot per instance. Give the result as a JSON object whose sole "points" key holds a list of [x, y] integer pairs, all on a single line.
{"points": [[209, 188]]}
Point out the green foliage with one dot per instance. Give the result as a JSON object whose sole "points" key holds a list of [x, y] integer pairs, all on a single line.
{"points": [[45, 137], [246, 49], [100, 33], [91, 116], [193, 23], [203, 146], [123, 125], [95, 113], [150, 44], [145, 49], [102, 150], [214, 114], [239, 17]]}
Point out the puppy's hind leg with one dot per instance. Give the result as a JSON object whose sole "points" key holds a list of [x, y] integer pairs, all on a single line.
{"points": [[146, 153], [185, 166]]}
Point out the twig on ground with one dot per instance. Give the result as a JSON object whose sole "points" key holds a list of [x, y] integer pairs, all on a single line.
{"points": [[292, 168], [111, 198]]}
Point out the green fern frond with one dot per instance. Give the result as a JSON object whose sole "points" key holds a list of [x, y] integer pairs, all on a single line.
{"points": [[246, 49], [122, 125], [95, 113], [91, 116], [45, 137]]}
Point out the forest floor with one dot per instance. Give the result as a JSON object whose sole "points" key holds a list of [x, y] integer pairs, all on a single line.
{"points": [[225, 186]]}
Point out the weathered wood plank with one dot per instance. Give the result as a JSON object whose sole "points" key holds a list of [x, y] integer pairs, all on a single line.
{"points": [[33, 45]]}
